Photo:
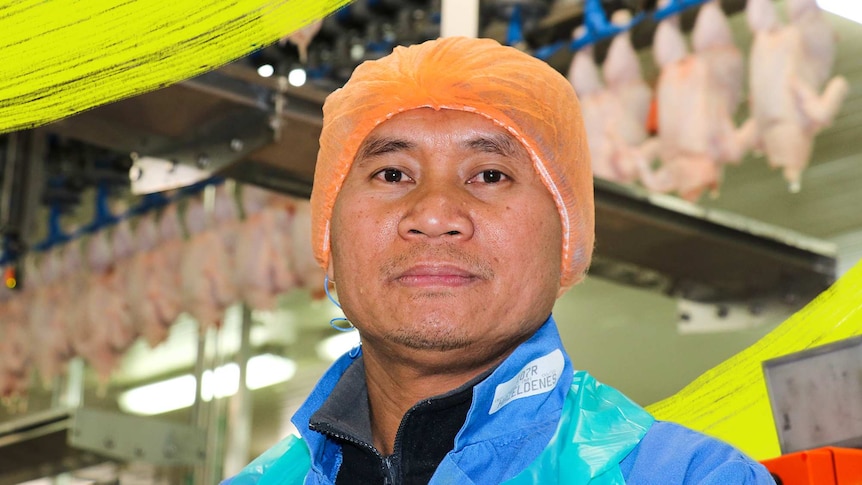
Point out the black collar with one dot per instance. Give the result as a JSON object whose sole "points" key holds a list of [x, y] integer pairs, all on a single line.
{"points": [[427, 431]]}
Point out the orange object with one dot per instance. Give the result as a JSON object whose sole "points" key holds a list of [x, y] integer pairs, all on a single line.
{"points": [[652, 117], [821, 466], [9, 277], [518, 92]]}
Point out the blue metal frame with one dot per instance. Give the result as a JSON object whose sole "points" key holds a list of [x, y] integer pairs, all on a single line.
{"points": [[598, 27]]}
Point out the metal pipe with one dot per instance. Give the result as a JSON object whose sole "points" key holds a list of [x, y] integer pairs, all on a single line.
{"points": [[73, 395], [216, 417], [10, 163], [198, 412], [240, 405]]}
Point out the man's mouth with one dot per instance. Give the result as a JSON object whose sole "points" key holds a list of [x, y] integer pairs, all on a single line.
{"points": [[436, 274]]}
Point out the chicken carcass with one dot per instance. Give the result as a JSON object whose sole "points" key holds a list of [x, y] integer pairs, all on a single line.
{"points": [[263, 266], [123, 331], [14, 346], [139, 277], [76, 281], [622, 74], [164, 286], [46, 319], [207, 283], [787, 108], [712, 41], [105, 316], [308, 273], [613, 131], [818, 40], [302, 38], [696, 131]]}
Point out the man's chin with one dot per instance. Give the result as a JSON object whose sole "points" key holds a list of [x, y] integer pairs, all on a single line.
{"points": [[428, 342]]}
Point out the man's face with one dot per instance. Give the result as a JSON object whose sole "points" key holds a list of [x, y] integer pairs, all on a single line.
{"points": [[444, 238]]}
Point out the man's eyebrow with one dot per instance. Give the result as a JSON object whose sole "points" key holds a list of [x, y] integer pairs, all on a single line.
{"points": [[378, 146], [500, 144]]}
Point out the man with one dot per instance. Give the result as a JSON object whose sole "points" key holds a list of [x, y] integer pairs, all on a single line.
{"points": [[452, 205]]}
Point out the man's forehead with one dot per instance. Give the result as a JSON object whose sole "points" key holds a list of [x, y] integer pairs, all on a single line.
{"points": [[413, 129]]}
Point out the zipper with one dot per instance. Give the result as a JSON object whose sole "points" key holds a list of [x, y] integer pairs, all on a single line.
{"points": [[389, 473], [390, 465], [329, 430]]}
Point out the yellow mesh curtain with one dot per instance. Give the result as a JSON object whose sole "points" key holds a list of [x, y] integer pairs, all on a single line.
{"points": [[61, 57], [730, 401]]}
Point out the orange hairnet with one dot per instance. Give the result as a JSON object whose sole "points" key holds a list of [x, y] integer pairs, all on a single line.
{"points": [[518, 92]]}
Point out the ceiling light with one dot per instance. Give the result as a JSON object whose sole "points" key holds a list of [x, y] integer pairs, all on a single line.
{"points": [[159, 397], [845, 8], [296, 77], [266, 70], [179, 392], [267, 370]]}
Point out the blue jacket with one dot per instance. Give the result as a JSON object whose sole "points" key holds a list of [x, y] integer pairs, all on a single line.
{"points": [[534, 420]]}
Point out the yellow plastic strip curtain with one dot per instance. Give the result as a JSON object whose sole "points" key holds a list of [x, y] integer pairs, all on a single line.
{"points": [[60, 57], [730, 401]]}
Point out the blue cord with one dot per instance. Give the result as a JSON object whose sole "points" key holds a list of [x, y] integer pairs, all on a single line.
{"points": [[354, 352], [326, 289], [336, 319]]}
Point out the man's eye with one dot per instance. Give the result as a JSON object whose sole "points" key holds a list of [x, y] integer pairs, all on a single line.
{"points": [[391, 174], [491, 176]]}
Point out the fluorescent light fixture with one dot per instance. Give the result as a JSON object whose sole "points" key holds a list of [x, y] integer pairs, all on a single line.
{"points": [[266, 370], [266, 70], [160, 397], [296, 77], [179, 392], [849, 9], [334, 347]]}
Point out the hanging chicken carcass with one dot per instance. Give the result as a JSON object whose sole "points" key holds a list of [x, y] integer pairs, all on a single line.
{"points": [[76, 281], [613, 132], [621, 71], [208, 286], [123, 331], [47, 328], [140, 277], [786, 106], [818, 40], [104, 327], [163, 284], [15, 346], [696, 132], [302, 38], [308, 273], [712, 41], [263, 263]]}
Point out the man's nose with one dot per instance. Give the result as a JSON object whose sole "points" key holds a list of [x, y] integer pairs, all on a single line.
{"points": [[436, 210]]}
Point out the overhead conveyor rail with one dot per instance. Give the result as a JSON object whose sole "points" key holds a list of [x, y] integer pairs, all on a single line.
{"points": [[704, 254], [36, 446]]}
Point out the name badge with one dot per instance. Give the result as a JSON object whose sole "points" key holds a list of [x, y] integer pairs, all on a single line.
{"points": [[537, 377]]}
